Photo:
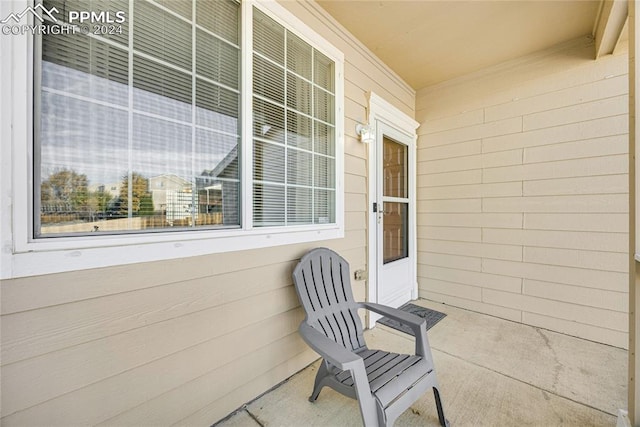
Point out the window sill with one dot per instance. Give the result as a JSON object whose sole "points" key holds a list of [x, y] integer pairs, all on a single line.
{"points": [[70, 254]]}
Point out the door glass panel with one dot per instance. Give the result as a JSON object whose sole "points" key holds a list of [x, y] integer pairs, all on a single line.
{"points": [[395, 168], [395, 231]]}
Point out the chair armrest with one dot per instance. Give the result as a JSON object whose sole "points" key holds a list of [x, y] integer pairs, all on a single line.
{"points": [[414, 322], [393, 313], [331, 351], [344, 360]]}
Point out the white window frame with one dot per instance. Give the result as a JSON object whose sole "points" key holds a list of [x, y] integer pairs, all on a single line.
{"points": [[21, 255]]}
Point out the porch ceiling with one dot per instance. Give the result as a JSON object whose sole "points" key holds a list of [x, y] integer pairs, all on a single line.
{"points": [[427, 42]]}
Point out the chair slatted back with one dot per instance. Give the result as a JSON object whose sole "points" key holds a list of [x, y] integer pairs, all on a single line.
{"points": [[323, 283]]}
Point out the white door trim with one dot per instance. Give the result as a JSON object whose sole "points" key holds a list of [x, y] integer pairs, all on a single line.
{"points": [[380, 110]]}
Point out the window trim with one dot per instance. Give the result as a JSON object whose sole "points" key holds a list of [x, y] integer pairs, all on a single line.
{"points": [[21, 255]]}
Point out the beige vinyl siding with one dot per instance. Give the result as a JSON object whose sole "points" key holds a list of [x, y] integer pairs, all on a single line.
{"points": [[523, 192], [182, 341]]}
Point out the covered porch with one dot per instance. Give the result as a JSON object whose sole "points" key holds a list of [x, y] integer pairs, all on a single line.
{"points": [[492, 372], [525, 233]]}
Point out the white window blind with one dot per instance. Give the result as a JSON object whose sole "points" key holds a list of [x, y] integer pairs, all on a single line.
{"points": [[294, 138]]}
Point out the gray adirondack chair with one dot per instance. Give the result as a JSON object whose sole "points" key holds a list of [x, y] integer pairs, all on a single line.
{"points": [[385, 384]]}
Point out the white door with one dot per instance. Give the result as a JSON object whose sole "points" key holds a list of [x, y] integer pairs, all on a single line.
{"points": [[394, 206]]}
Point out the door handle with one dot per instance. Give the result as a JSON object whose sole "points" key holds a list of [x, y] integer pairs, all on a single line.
{"points": [[377, 209]]}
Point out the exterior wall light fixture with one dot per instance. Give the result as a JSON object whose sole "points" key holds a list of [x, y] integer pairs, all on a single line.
{"points": [[366, 133]]}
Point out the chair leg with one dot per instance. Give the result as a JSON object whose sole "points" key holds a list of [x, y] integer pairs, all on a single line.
{"points": [[317, 386], [443, 421]]}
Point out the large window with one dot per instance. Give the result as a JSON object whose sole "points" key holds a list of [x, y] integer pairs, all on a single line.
{"points": [[148, 128], [293, 128]]}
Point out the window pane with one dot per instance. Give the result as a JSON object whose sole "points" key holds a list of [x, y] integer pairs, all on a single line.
{"points": [[298, 94], [85, 66], [299, 205], [217, 60], [217, 179], [161, 147], [324, 72], [268, 205], [162, 35], [269, 162], [222, 17], [395, 168], [120, 148], [395, 225], [218, 202], [181, 7], [218, 155], [298, 171], [77, 185], [298, 130], [325, 173], [160, 154], [268, 80], [161, 90], [268, 121], [217, 108], [299, 55], [324, 207], [324, 138], [268, 37], [324, 106], [301, 156]]}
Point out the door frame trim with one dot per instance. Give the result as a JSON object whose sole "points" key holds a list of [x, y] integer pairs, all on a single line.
{"points": [[381, 110]]}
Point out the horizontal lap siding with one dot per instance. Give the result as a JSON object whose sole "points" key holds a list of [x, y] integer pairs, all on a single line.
{"points": [[182, 341], [523, 193]]}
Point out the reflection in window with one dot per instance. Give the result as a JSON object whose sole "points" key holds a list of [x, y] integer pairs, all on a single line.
{"points": [[141, 130], [395, 168], [396, 213], [395, 231], [142, 134]]}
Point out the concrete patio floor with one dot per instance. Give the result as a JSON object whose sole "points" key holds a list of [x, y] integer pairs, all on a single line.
{"points": [[492, 372]]}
